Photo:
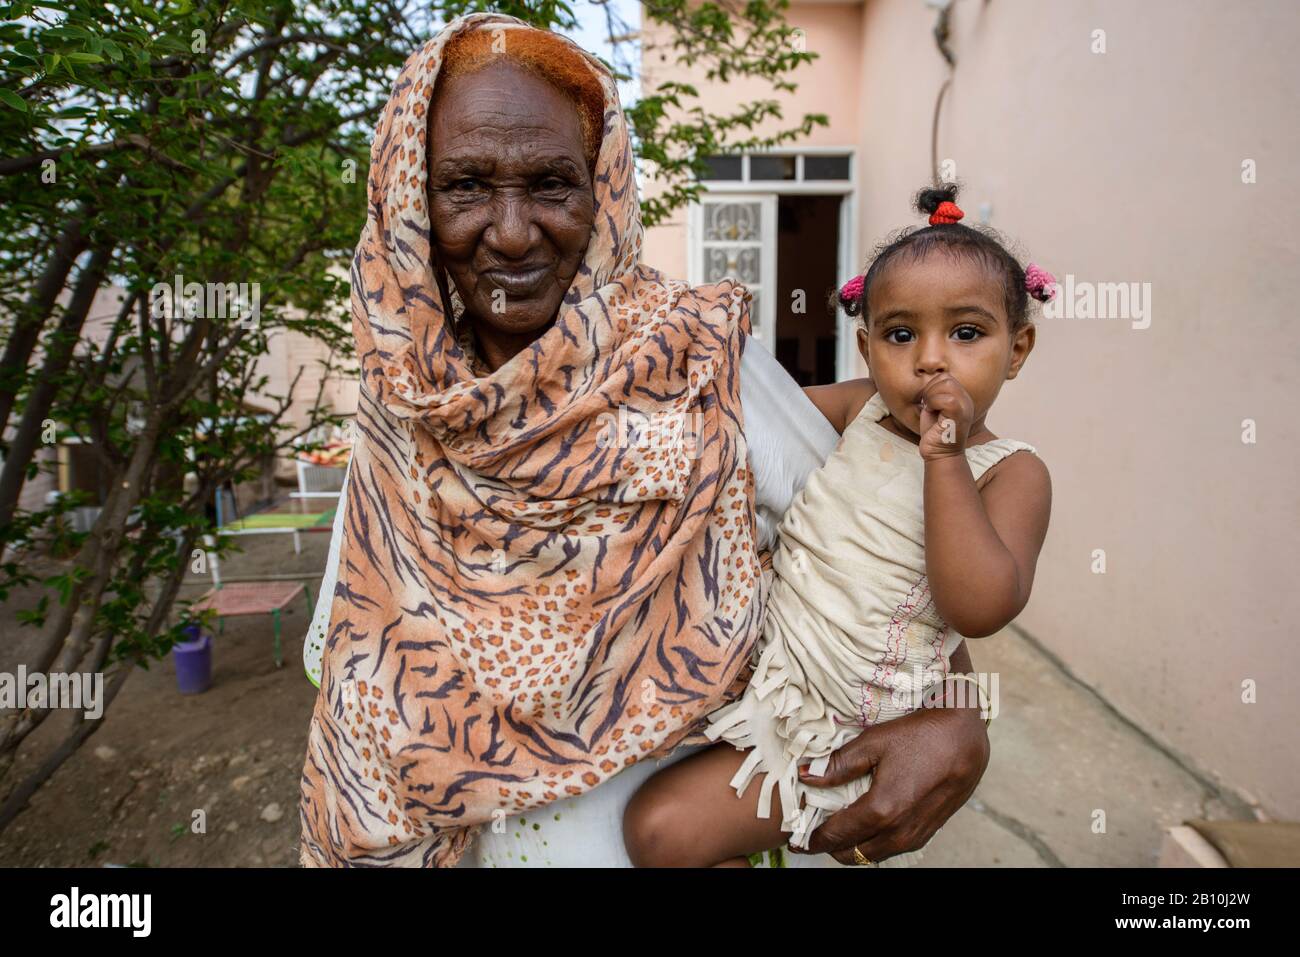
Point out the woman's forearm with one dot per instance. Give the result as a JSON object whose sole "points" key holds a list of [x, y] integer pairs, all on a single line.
{"points": [[973, 575]]}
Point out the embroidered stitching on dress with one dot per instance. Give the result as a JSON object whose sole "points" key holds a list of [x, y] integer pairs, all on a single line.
{"points": [[916, 603]]}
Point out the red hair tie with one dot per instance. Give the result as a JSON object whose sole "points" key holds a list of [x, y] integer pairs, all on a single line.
{"points": [[945, 214]]}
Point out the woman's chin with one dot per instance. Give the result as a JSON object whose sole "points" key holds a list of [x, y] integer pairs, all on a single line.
{"points": [[522, 319]]}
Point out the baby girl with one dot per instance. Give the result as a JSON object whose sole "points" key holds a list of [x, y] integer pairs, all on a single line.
{"points": [[922, 527]]}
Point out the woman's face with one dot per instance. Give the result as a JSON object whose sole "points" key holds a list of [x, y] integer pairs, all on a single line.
{"points": [[510, 197]]}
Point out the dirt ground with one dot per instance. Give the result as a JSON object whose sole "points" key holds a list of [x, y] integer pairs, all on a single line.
{"points": [[234, 752]]}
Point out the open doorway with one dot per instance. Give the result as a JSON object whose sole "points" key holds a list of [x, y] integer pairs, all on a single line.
{"points": [[780, 222], [807, 261]]}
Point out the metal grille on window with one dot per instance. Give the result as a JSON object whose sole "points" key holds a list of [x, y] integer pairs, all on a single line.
{"points": [[737, 240], [733, 239], [733, 246], [732, 222]]}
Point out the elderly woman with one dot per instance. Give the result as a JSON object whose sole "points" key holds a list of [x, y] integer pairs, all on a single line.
{"points": [[525, 605]]}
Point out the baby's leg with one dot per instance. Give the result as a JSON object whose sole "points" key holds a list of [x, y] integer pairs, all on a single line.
{"points": [[688, 815]]}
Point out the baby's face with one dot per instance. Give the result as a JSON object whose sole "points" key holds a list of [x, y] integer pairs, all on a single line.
{"points": [[935, 315]]}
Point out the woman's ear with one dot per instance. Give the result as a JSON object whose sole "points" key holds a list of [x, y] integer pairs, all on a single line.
{"points": [[1022, 343]]}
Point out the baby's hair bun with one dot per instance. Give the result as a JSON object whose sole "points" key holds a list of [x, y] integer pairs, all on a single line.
{"points": [[929, 198]]}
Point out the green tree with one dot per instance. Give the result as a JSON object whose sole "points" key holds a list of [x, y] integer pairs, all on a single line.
{"points": [[222, 142]]}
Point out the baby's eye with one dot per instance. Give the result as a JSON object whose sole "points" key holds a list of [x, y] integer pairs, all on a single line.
{"points": [[967, 333], [898, 335]]}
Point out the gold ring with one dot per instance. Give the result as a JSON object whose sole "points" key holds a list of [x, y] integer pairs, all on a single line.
{"points": [[859, 857]]}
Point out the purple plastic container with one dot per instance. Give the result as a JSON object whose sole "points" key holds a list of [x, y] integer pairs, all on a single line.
{"points": [[193, 658]]}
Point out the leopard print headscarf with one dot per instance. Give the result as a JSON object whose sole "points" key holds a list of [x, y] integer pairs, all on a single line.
{"points": [[533, 593]]}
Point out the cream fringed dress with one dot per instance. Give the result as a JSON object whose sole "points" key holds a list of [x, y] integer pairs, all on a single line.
{"points": [[851, 636]]}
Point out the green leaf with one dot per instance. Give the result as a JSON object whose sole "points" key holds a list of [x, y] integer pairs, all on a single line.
{"points": [[13, 100], [171, 43]]}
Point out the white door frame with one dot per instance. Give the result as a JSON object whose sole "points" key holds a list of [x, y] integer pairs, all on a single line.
{"points": [[847, 264]]}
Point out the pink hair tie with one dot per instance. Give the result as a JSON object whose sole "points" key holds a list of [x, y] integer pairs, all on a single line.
{"points": [[851, 291], [1040, 283]]}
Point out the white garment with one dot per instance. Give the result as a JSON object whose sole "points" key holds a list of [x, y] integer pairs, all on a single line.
{"points": [[788, 438]]}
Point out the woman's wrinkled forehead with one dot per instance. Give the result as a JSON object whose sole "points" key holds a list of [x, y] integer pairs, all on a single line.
{"points": [[506, 104], [502, 117], [543, 55]]}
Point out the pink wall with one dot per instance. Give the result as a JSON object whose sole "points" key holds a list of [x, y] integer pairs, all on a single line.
{"points": [[1126, 166]]}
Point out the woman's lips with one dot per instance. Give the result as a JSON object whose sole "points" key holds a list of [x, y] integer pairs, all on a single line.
{"points": [[518, 282]]}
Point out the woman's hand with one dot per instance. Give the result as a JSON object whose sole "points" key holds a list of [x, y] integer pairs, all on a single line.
{"points": [[926, 765]]}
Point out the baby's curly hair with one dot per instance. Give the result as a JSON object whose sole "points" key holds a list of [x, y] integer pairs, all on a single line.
{"points": [[915, 242], [544, 54]]}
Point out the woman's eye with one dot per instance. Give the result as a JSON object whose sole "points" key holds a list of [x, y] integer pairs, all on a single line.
{"points": [[898, 335], [553, 184], [466, 185], [967, 333]]}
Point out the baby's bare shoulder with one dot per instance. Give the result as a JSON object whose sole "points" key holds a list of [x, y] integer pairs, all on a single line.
{"points": [[841, 402]]}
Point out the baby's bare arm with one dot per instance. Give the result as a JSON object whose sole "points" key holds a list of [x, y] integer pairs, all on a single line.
{"points": [[981, 546]]}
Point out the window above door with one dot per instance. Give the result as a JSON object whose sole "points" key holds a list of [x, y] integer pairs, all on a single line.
{"points": [[802, 166]]}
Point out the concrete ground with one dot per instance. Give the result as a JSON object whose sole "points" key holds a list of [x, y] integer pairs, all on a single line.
{"points": [[1070, 783]]}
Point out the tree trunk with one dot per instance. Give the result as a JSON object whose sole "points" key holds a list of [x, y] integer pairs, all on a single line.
{"points": [[66, 633], [62, 345], [27, 329]]}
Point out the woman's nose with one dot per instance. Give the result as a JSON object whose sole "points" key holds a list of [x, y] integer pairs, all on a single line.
{"points": [[511, 232]]}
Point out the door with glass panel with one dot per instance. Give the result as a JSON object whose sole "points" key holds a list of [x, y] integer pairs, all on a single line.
{"points": [[734, 235]]}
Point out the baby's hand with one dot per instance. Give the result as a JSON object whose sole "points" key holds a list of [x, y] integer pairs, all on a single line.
{"points": [[947, 412]]}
